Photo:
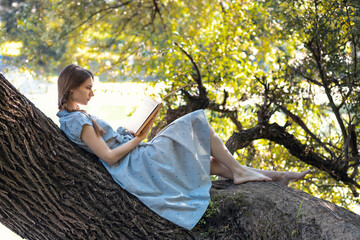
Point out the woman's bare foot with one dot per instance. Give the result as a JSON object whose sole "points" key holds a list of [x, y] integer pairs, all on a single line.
{"points": [[248, 175], [287, 177]]}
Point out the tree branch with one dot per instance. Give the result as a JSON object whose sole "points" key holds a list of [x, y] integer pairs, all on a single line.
{"points": [[107, 10], [301, 123], [317, 57], [306, 77], [197, 77], [157, 11], [353, 40], [304, 153]]}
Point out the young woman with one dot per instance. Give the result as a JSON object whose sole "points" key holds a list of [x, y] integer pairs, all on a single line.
{"points": [[170, 173]]}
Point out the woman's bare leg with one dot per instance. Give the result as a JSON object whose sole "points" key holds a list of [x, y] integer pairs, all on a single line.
{"points": [[238, 173], [219, 169], [282, 177]]}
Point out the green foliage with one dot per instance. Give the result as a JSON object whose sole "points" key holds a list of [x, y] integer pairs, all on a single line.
{"points": [[323, 83], [291, 49]]}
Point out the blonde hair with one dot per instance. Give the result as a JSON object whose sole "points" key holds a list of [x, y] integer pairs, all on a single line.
{"points": [[71, 77]]}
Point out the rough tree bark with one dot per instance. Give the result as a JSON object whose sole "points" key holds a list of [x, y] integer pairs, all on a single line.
{"points": [[51, 189]]}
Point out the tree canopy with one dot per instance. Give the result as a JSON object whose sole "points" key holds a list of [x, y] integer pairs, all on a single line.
{"points": [[287, 67]]}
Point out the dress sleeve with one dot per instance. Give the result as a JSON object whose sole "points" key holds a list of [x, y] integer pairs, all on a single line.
{"points": [[123, 135], [76, 124]]}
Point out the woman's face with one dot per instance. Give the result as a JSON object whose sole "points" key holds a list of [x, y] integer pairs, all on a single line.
{"points": [[82, 94]]}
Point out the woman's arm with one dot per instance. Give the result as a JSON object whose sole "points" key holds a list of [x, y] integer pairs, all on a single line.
{"points": [[99, 147]]}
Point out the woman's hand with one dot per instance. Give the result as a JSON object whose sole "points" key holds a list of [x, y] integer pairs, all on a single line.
{"points": [[147, 128]]}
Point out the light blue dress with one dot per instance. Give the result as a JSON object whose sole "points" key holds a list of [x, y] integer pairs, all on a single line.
{"points": [[169, 174]]}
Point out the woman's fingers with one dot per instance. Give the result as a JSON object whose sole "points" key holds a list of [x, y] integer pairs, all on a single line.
{"points": [[148, 126]]}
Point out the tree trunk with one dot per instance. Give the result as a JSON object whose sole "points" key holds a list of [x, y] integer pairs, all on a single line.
{"points": [[52, 189]]}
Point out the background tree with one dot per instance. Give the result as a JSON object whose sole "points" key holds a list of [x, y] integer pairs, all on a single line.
{"points": [[325, 78], [283, 72]]}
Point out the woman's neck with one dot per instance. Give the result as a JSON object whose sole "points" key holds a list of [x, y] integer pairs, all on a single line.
{"points": [[70, 109], [74, 107], [71, 105]]}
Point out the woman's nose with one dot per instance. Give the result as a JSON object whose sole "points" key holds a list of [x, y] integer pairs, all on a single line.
{"points": [[92, 93]]}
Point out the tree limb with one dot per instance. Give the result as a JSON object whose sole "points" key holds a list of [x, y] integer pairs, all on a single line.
{"points": [[306, 77], [304, 153], [317, 57], [197, 77], [63, 34], [301, 123]]}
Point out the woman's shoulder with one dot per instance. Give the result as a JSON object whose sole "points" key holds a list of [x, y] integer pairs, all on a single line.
{"points": [[65, 113], [66, 116], [72, 122]]}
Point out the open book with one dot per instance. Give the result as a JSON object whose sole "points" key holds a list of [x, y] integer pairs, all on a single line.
{"points": [[142, 115], [146, 111]]}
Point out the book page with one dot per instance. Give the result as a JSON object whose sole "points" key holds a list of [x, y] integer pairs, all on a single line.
{"points": [[142, 112]]}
